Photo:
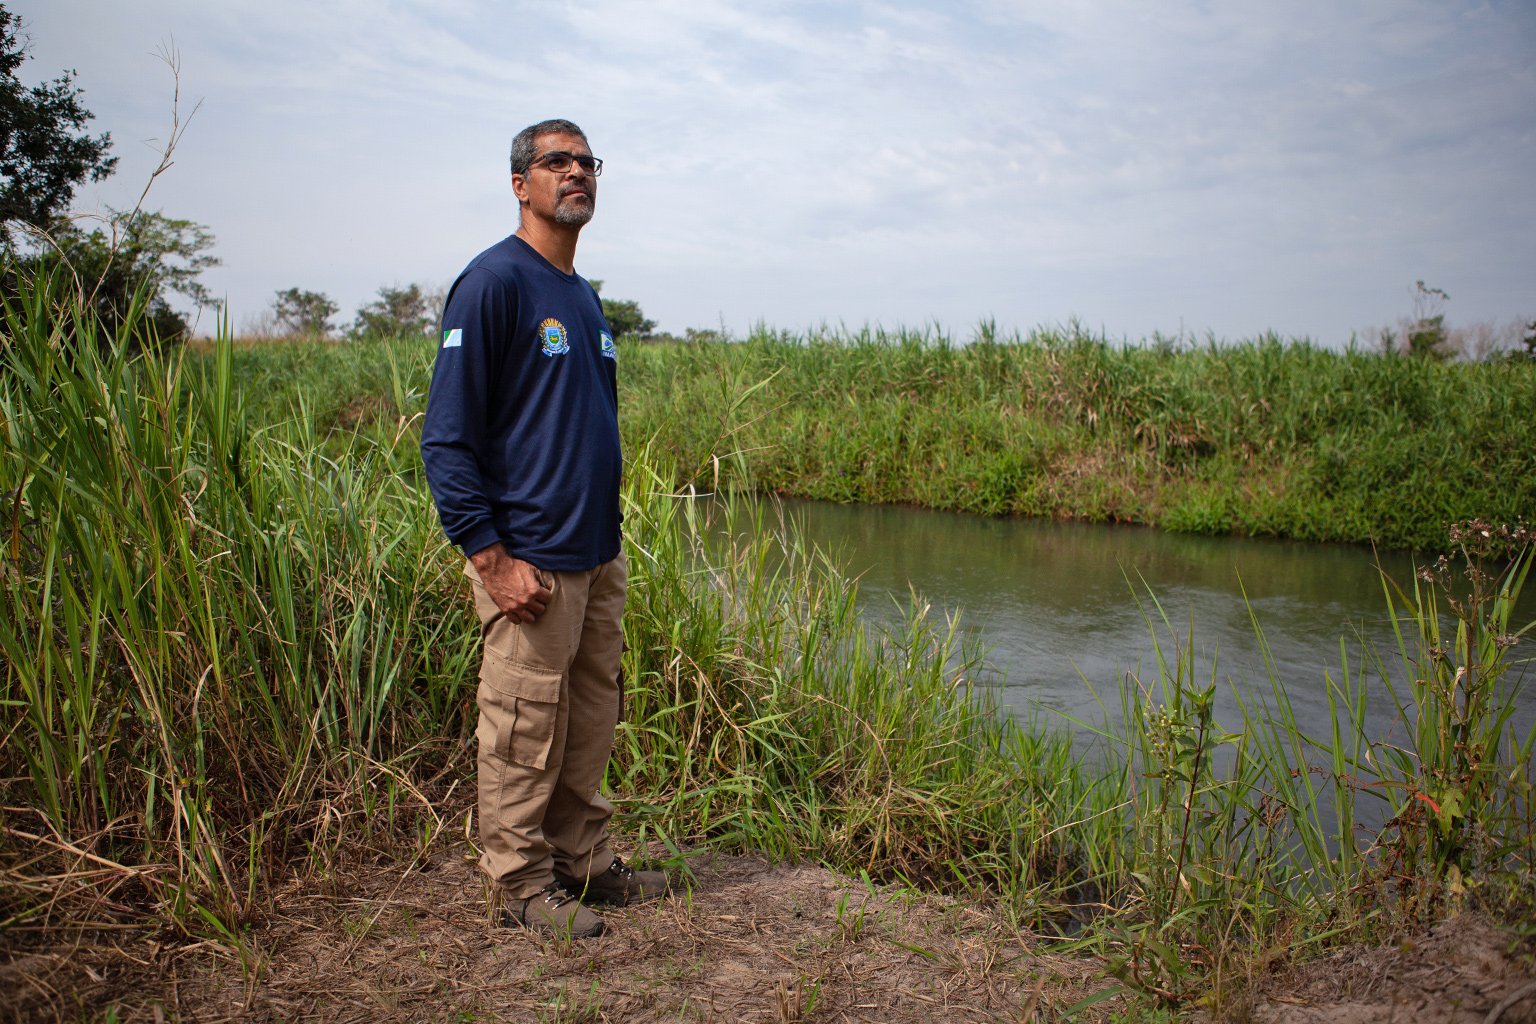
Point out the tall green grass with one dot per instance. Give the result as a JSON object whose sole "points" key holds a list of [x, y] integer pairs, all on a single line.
{"points": [[236, 646], [1263, 437], [211, 627]]}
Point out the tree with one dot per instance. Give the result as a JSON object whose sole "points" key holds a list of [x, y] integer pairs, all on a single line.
{"points": [[396, 313], [1427, 334], [624, 315], [142, 257], [44, 155], [306, 313], [134, 259]]}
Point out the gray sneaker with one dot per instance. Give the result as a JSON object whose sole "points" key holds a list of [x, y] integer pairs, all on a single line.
{"points": [[618, 885], [554, 911]]}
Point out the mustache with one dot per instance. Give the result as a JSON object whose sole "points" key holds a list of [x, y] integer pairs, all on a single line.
{"points": [[586, 190]]}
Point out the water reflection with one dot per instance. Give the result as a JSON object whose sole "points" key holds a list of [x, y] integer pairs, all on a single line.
{"points": [[1063, 607]]}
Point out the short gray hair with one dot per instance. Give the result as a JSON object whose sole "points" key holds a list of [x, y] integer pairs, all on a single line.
{"points": [[522, 143]]}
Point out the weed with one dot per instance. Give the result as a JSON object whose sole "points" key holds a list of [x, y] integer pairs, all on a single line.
{"points": [[850, 922], [1464, 788], [795, 1001], [569, 1007]]}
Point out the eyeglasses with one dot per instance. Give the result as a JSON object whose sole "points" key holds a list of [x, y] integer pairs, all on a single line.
{"points": [[560, 161]]}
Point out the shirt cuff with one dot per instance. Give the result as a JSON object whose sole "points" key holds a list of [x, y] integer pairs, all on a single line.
{"points": [[483, 536]]}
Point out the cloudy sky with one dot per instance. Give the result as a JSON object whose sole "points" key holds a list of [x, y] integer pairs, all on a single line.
{"points": [[1230, 168]]}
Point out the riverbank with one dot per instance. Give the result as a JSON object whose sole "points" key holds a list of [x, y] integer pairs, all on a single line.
{"points": [[240, 653], [1264, 438]]}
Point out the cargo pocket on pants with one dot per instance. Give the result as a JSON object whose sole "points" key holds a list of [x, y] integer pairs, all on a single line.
{"points": [[526, 703]]}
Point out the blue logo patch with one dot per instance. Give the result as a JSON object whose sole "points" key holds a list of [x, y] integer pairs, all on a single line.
{"points": [[607, 345], [552, 338]]}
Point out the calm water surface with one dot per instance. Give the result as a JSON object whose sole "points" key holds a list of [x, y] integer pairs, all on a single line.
{"points": [[1063, 608]]}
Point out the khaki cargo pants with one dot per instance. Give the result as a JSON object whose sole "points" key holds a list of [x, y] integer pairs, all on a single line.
{"points": [[549, 702]]}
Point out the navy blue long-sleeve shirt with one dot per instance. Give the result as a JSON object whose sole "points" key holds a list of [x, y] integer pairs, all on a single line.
{"points": [[521, 437]]}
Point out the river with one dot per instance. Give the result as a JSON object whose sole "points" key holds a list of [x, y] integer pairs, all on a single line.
{"points": [[1064, 609]]}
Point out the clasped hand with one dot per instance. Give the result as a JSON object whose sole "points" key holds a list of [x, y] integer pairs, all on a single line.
{"points": [[515, 585]]}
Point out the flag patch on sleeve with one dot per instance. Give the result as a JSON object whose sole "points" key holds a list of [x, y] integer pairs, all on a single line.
{"points": [[453, 338]]}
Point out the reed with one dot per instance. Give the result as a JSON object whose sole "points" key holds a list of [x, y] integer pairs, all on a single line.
{"points": [[212, 627]]}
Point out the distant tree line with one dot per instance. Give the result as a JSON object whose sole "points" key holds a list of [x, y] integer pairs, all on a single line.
{"points": [[396, 311], [403, 312]]}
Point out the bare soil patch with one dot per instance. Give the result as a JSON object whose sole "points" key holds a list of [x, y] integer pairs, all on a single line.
{"points": [[1460, 972], [743, 940]]}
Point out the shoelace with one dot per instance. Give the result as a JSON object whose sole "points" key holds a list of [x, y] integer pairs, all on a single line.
{"points": [[618, 867], [556, 896]]}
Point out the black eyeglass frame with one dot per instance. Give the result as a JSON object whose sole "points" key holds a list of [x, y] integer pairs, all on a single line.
{"points": [[559, 161]]}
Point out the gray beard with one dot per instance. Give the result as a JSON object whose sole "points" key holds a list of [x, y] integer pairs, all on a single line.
{"points": [[575, 214]]}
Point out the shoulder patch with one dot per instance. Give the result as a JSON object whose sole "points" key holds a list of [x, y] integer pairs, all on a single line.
{"points": [[607, 346], [453, 338]]}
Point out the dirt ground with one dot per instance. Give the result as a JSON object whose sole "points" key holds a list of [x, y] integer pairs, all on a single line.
{"points": [[743, 940], [1462, 970]]}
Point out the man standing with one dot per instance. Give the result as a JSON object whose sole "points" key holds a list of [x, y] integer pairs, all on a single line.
{"points": [[521, 447]]}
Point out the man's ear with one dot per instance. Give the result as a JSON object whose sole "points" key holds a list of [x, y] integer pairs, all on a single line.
{"points": [[520, 188]]}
